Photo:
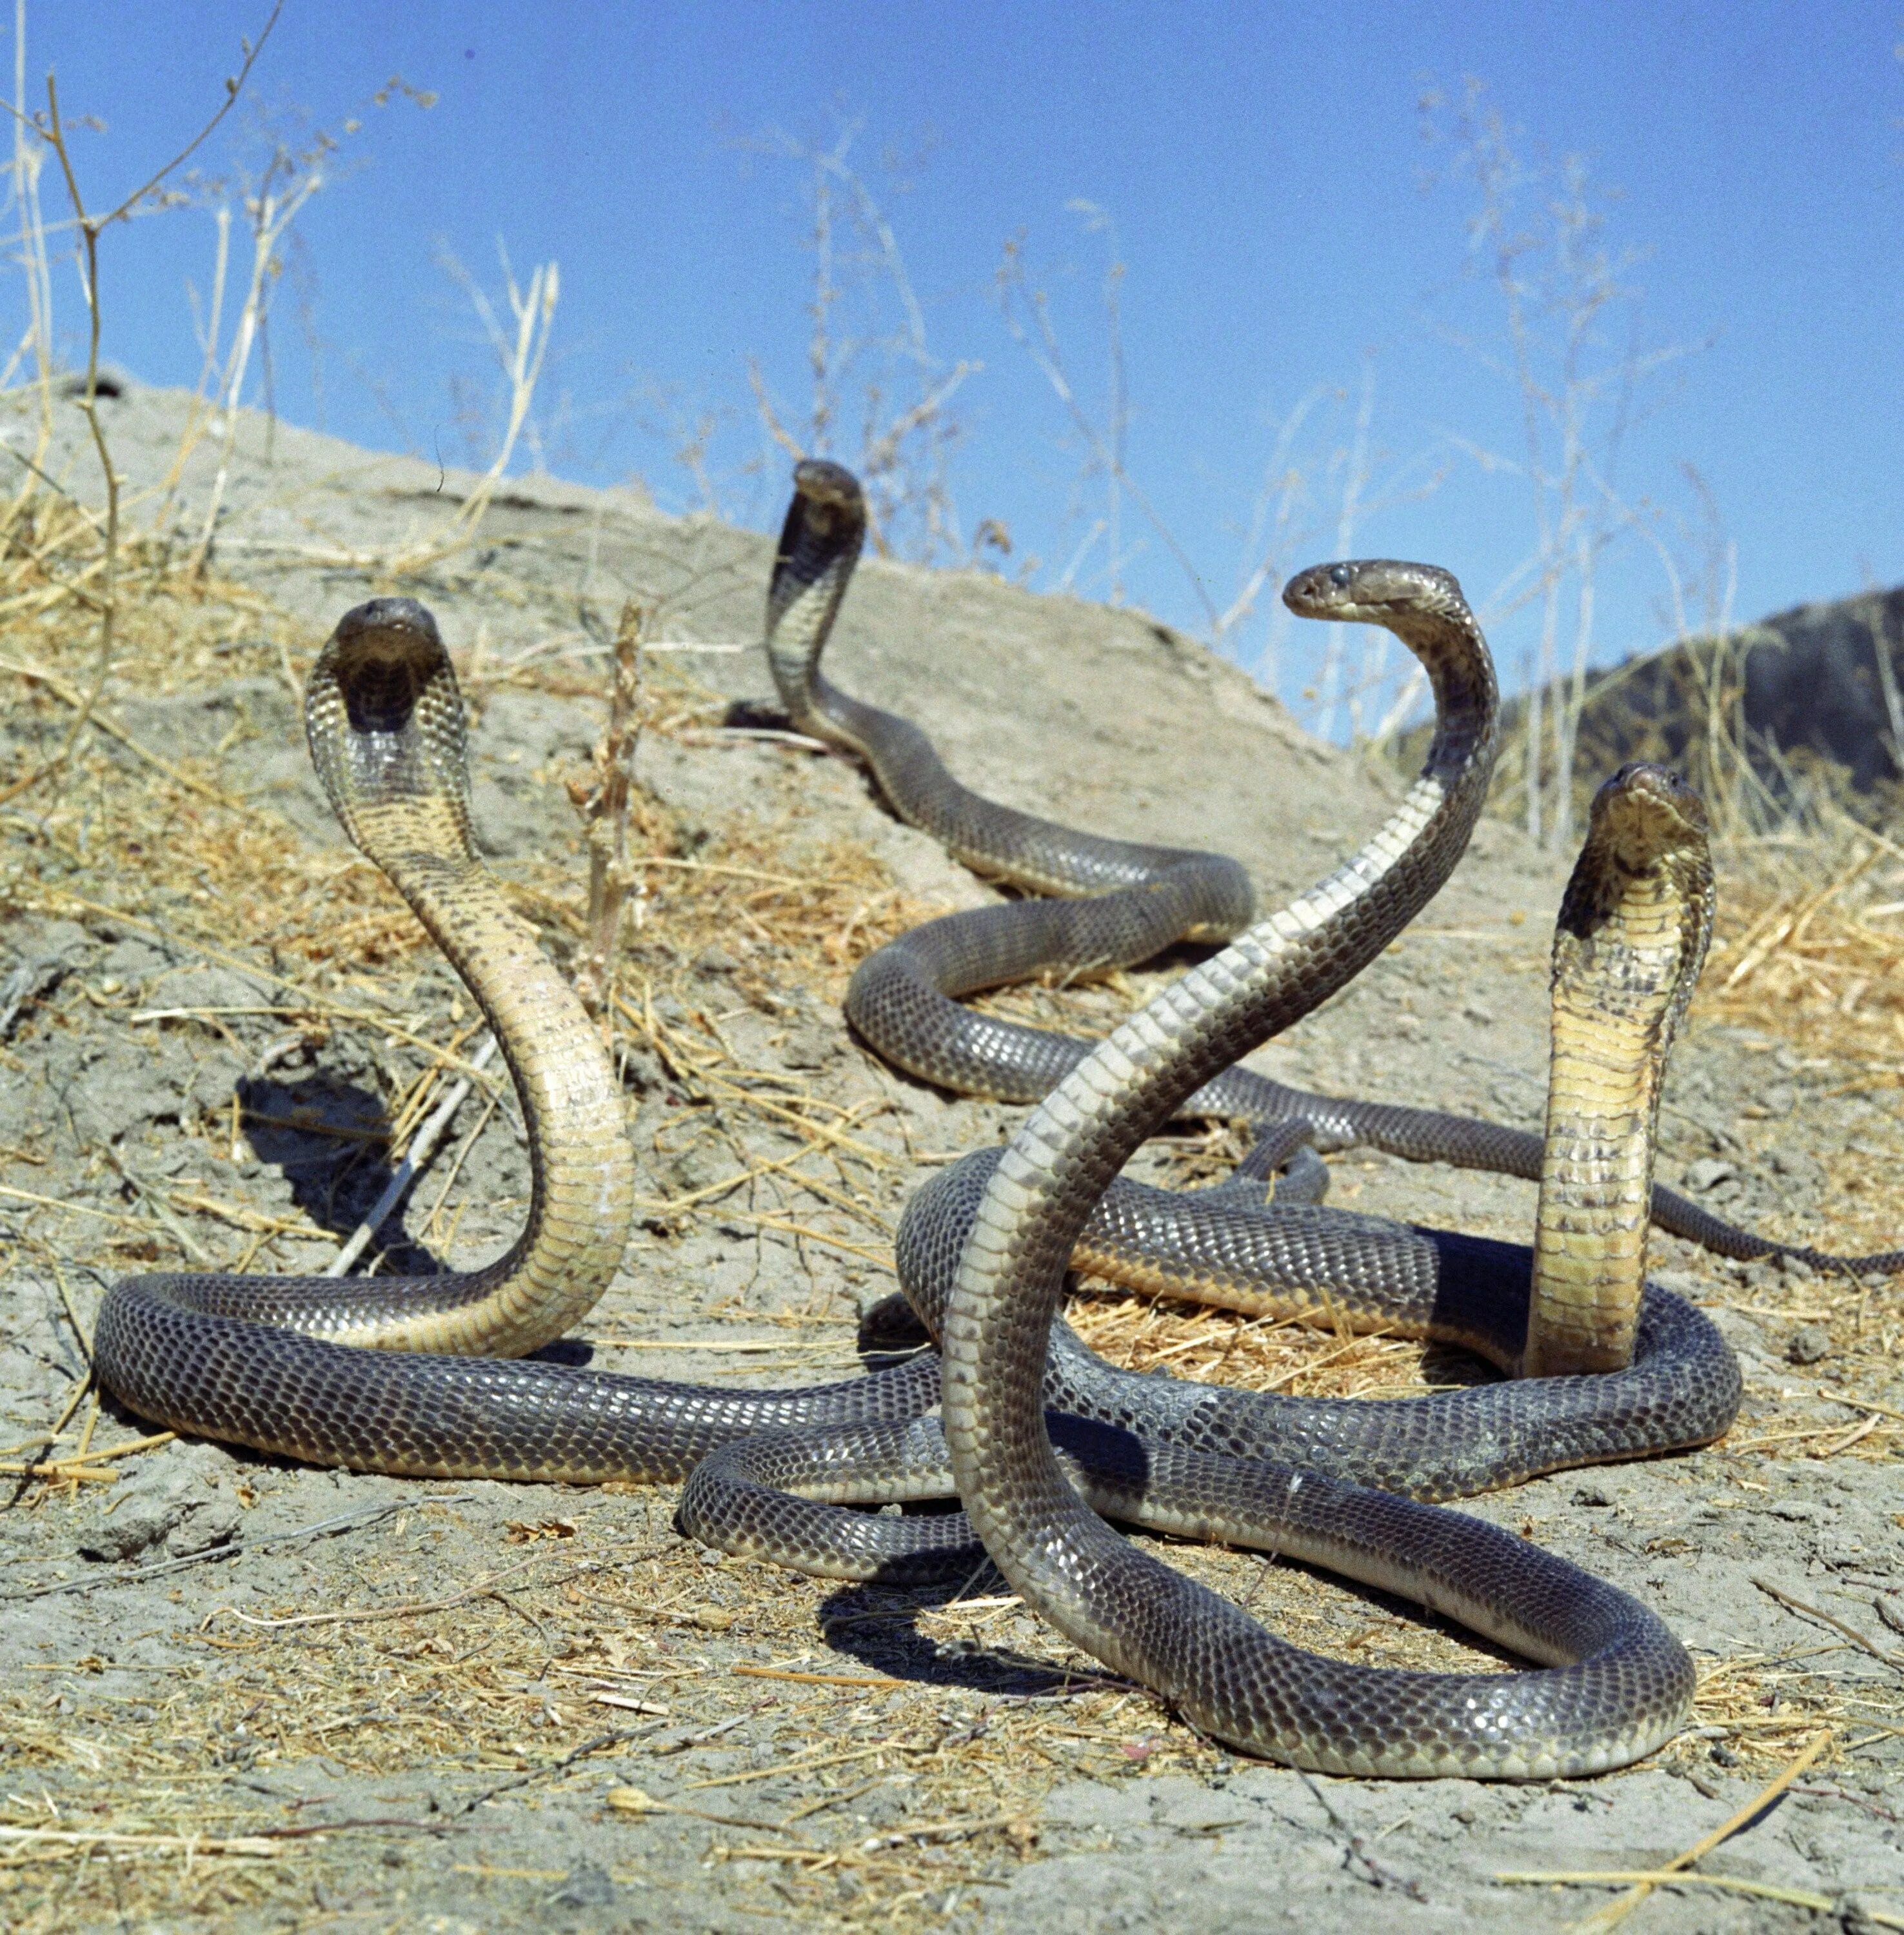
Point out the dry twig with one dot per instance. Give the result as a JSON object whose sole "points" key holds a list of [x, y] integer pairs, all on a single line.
{"points": [[600, 797]]}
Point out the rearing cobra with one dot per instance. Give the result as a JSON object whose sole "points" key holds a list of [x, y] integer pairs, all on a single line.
{"points": [[1638, 919], [904, 998], [278, 1363]]}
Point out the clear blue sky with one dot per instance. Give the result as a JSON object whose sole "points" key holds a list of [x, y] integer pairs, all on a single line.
{"points": [[1266, 172]]}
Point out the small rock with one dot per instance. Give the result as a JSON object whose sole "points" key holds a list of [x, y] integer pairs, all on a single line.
{"points": [[116, 1098], [32, 981], [211, 988], [1809, 1344], [215, 1080], [176, 1502], [1796, 1166], [810, 1046], [1478, 1011], [587, 1886], [1681, 1283], [1592, 1495], [1708, 1173], [700, 1166], [133, 961]]}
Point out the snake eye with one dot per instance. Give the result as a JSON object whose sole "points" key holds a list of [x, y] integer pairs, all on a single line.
{"points": [[1339, 575]]}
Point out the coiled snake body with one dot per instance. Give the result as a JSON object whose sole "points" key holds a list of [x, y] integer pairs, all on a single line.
{"points": [[333, 1371], [1200, 1470], [1623, 1685], [279, 1364]]}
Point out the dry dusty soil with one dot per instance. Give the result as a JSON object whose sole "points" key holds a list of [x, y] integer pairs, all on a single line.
{"points": [[235, 1692]]}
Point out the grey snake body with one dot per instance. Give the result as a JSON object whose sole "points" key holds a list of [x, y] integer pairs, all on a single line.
{"points": [[358, 1372], [1627, 1682], [904, 999], [205, 1353], [1227, 1672]]}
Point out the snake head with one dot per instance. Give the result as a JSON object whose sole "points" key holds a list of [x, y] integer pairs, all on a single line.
{"points": [[384, 717], [1645, 870], [1646, 814], [825, 524], [1372, 591], [827, 498]]}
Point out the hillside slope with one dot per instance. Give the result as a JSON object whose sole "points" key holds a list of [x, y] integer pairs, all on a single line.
{"points": [[219, 1017]]}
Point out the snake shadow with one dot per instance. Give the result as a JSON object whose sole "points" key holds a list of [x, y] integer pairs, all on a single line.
{"points": [[879, 1625], [326, 1137]]}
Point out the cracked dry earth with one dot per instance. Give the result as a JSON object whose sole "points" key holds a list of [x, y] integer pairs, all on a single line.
{"points": [[237, 1693]]}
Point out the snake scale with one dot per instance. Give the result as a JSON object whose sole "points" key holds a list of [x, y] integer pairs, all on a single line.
{"points": [[417, 1374], [1620, 1684], [280, 1363]]}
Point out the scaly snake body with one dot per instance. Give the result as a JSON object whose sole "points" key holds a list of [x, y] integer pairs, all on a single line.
{"points": [[1232, 1676], [903, 999], [332, 1371], [207, 1353]]}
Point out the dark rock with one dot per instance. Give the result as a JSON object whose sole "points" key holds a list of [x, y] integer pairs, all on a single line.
{"points": [[1808, 1345], [176, 1502], [1821, 682], [587, 1886]]}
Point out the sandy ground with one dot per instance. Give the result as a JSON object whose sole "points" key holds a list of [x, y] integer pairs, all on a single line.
{"points": [[239, 1693]]}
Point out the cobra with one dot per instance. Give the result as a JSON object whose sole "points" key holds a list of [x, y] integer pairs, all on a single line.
{"points": [[210, 1354], [416, 1375], [903, 999], [1625, 1683]]}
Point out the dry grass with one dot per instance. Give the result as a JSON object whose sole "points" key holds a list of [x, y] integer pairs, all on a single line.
{"points": [[1808, 964], [1811, 948]]}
